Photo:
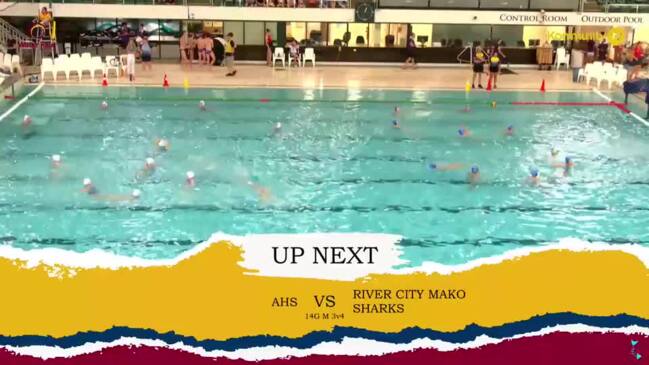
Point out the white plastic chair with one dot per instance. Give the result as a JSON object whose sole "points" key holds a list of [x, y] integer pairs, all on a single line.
{"points": [[86, 57], [15, 64], [6, 63], [47, 66], [74, 65], [112, 63], [62, 64], [596, 72], [96, 65], [278, 55], [563, 58], [617, 76], [309, 55], [85, 65]]}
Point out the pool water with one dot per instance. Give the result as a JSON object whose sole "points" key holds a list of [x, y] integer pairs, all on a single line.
{"points": [[336, 166]]}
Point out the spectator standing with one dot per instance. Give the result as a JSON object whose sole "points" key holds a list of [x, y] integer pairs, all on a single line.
{"points": [[269, 47], [191, 47], [208, 43], [131, 49], [602, 49], [411, 48], [146, 54], [184, 47], [479, 60], [576, 62], [230, 48]]}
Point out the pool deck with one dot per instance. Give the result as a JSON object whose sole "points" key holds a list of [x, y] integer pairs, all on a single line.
{"points": [[329, 76]]}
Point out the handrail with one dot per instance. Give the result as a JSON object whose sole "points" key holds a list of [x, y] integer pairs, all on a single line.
{"points": [[8, 31], [466, 48]]}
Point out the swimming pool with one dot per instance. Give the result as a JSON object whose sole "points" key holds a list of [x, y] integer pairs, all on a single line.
{"points": [[336, 166]]}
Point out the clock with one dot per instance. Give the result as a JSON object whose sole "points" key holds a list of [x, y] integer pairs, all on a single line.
{"points": [[364, 12]]}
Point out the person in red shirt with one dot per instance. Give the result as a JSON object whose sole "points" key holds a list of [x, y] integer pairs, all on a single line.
{"points": [[269, 47], [637, 61]]}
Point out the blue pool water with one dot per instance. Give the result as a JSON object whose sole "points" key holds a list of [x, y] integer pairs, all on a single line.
{"points": [[337, 166]]}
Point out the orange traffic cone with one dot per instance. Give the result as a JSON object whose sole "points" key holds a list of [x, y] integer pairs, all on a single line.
{"points": [[489, 85], [543, 86], [104, 81], [165, 82]]}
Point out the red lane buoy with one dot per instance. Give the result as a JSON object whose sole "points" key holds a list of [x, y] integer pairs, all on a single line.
{"points": [[264, 100]]}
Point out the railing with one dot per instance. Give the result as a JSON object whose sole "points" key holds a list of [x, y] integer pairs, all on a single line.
{"points": [[628, 6], [242, 3], [9, 32]]}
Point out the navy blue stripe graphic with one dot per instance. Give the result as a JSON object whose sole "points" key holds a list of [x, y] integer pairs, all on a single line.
{"points": [[407, 335]]}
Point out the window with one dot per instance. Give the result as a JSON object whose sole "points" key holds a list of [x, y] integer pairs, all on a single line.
{"points": [[336, 32], [461, 34], [254, 33], [236, 28], [388, 35], [359, 34], [296, 30], [423, 34], [212, 27], [316, 33]]}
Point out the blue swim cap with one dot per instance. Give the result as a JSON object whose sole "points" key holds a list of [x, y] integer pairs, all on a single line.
{"points": [[534, 172], [475, 169], [568, 159], [510, 127], [461, 131], [432, 166], [395, 122]]}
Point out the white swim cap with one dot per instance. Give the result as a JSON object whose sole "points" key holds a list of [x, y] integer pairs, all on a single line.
{"points": [[201, 103], [190, 174], [136, 193], [278, 125], [163, 143], [56, 158], [150, 161], [104, 104], [27, 118], [87, 181]]}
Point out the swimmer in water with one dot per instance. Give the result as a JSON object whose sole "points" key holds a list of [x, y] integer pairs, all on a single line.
{"points": [[162, 145], [27, 127], [277, 128], [202, 106], [509, 131], [104, 105], [395, 124], [148, 169], [473, 177], [89, 188], [56, 161], [397, 110], [190, 180], [263, 192], [445, 167], [27, 121], [566, 166], [534, 177], [464, 132]]}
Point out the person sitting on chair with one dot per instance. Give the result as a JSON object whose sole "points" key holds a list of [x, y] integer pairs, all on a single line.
{"points": [[44, 17], [294, 51]]}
